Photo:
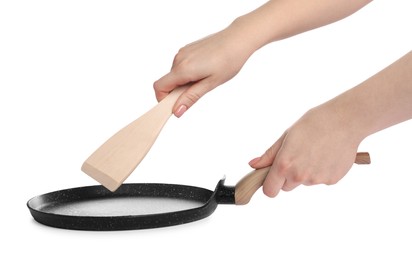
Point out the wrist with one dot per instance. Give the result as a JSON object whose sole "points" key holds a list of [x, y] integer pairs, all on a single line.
{"points": [[348, 117], [249, 33]]}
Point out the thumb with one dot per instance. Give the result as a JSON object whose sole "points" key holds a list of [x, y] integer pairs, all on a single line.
{"points": [[268, 157], [190, 96]]}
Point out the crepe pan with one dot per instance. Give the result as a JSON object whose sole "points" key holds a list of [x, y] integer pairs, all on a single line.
{"points": [[142, 206], [137, 205]]}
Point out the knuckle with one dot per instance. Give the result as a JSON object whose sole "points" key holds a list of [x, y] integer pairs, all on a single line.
{"points": [[182, 58], [185, 69], [298, 177], [331, 181], [156, 85], [192, 96], [180, 53], [310, 182], [282, 166]]}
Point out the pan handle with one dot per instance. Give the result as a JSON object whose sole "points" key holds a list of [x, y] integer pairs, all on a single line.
{"points": [[250, 183]]}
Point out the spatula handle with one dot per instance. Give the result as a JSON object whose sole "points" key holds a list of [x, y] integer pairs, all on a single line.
{"points": [[250, 183]]}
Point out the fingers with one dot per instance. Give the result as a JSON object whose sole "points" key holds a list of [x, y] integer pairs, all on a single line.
{"points": [[287, 173], [273, 184], [274, 181], [282, 175], [288, 170], [171, 81], [167, 83], [190, 97]]}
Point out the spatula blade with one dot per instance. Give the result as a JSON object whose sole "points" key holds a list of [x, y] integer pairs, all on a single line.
{"points": [[118, 157]]}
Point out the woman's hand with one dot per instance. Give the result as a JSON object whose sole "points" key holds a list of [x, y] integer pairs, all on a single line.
{"points": [[205, 64], [322, 145], [210, 62], [319, 148]]}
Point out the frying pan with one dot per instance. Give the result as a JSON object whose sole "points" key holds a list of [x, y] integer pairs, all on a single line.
{"points": [[142, 206], [132, 206]]}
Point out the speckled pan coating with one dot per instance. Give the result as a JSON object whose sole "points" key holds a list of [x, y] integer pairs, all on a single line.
{"points": [[40, 206]]}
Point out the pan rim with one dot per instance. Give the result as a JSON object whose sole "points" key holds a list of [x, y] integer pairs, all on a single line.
{"points": [[59, 220]]}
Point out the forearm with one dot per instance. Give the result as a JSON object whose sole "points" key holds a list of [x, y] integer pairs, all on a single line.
{"points": [[321, 146], [213, 60], [381, 101], [279, 19]]}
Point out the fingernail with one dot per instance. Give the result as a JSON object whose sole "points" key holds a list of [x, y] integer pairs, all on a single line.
{"points": [[180, 111], [254, 161]]}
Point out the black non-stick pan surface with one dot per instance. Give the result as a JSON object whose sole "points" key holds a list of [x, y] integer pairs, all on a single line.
{"points": [[141, 206], [132, 206]]}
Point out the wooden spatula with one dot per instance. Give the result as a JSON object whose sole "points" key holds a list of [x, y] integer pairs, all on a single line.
{"points": [[116, 159]]}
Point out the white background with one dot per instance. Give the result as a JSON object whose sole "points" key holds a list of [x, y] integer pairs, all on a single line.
{"points": [[72, 73]]}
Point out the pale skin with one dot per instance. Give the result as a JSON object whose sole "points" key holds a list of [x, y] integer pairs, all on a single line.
{"points": [[321, 146]]}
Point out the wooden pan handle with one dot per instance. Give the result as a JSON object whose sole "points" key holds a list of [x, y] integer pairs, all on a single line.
{"points": [[250, 183], [363, 158]]}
